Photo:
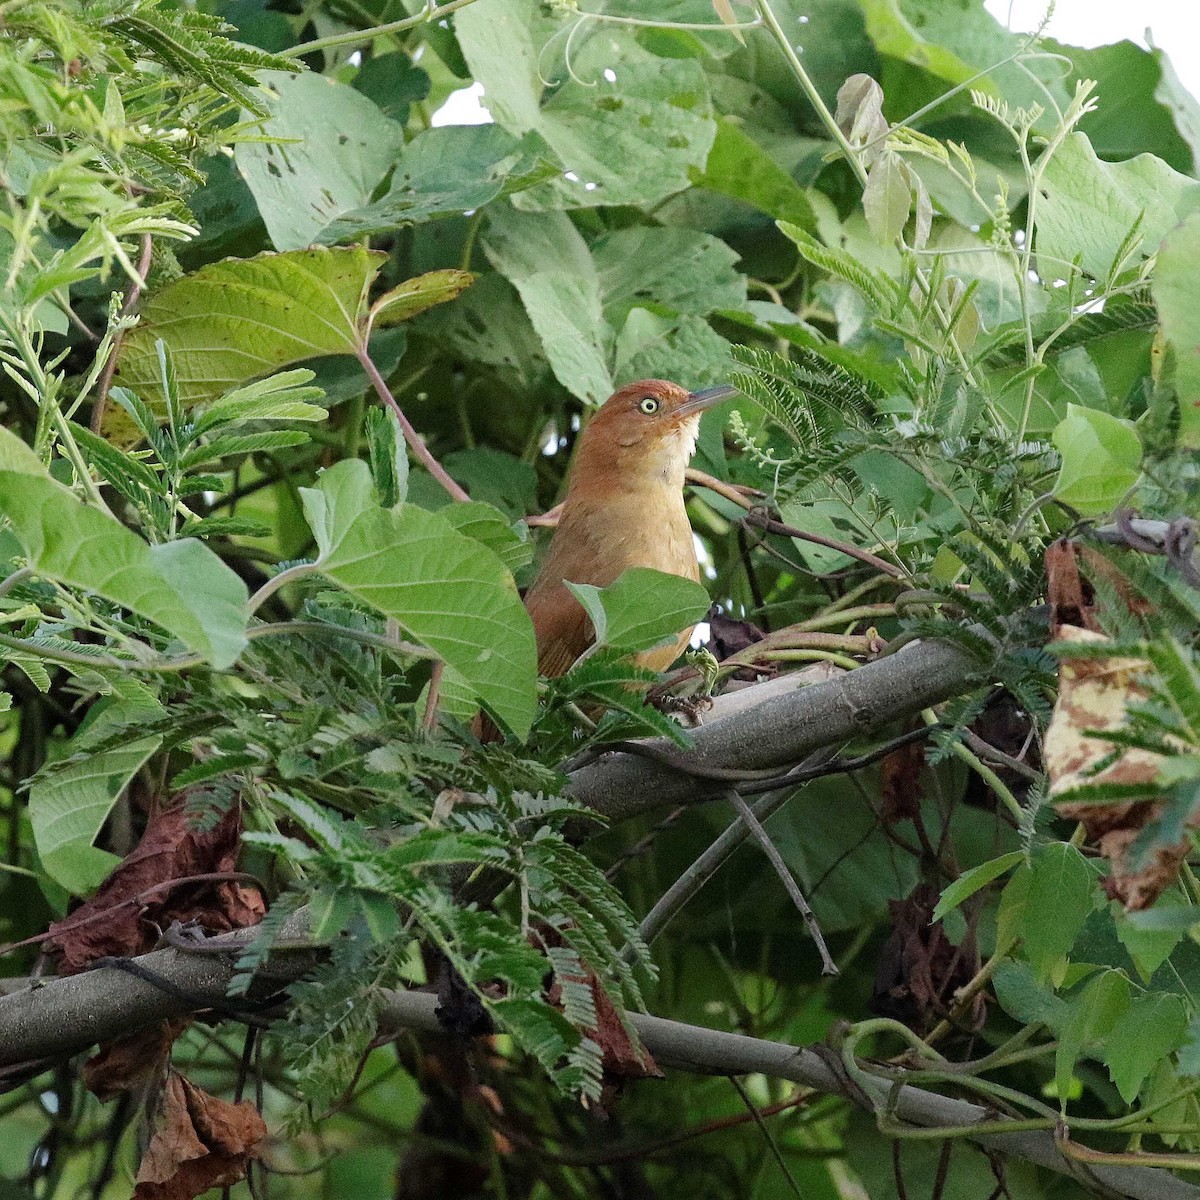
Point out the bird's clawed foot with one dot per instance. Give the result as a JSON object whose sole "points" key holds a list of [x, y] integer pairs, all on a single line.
{"points": [[688, 708]]}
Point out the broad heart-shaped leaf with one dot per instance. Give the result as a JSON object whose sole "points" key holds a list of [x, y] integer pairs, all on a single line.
{"points": [[548, 262], [69, 805], [448, 171], [182, 586], [643, 608], [445, 589], [1060, 898], [1088, 207], [1176, 288], [329, 150], [630, 133], [1101, 459], [1152, 1028], [240, 318]]}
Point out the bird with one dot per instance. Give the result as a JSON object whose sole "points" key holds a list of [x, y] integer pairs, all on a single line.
{"points": [[623, 508]]}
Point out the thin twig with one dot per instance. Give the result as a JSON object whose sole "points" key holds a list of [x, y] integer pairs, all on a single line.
{"points": [[828, 966], [411, 436], [131, 299], [429, 719]]}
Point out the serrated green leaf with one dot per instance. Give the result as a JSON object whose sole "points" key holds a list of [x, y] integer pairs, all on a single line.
{"points": [[328, 149], [546, 259], [1088, 207], [341, 494], [739, 167], [446, 590], [17, 457], [489, 525], [1153, 1027], [234, 320], [1092, 1013], [1060, 898]]}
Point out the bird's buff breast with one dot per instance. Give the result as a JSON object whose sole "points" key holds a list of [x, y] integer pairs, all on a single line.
{"points": [[641, 529]]}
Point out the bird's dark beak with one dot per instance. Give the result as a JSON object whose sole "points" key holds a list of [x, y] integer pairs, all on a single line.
{"points": [[699, 401]]}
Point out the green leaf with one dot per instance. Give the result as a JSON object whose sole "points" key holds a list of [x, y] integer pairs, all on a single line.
{"points": [[446, 172], [887, 197], [496, 478], [969, 882], [1025, 999], [1060, 898], [393, 83], [547, 261], [489, 525], [1152, 1028], [1150, 936], [643, 608], [1101, 459], [389, 456], [329, 912], [279, 397], [182, 586], [628, 136], [1093, 1012], [16, 456], [68, 805], [1176, 288], [445, 589], [739, 167], [235, 320], [414, 296], [342, 493], [654, 347], [1088, 207], [683, 270], [1189, 1055], [328, 151]]}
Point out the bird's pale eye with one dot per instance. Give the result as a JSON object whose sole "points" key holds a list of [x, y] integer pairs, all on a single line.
{"points": [[648, 405]]}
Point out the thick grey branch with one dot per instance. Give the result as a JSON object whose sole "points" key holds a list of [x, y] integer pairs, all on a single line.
{"points": [[780, 730], [64, 1016]]}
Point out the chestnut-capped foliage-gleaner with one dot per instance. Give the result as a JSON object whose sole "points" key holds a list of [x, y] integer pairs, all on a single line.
{"points": [[624, 508]]}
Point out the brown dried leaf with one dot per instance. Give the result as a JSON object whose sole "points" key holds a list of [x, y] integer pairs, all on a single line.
{"points": [[200, 1143], [919, 969], [621, 1056], [132, 1063], [900, 783], [1069, 606], [1094, 694], [118, 920]]}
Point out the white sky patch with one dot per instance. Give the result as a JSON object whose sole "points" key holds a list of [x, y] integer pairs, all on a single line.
{"points": [[463, 107], [1170, 25]]}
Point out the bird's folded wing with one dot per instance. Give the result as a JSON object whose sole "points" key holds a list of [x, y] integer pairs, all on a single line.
{"points": [[562, 627]]}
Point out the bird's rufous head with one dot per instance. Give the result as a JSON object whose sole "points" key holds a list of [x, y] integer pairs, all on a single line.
{"points": [[647, 428]]}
